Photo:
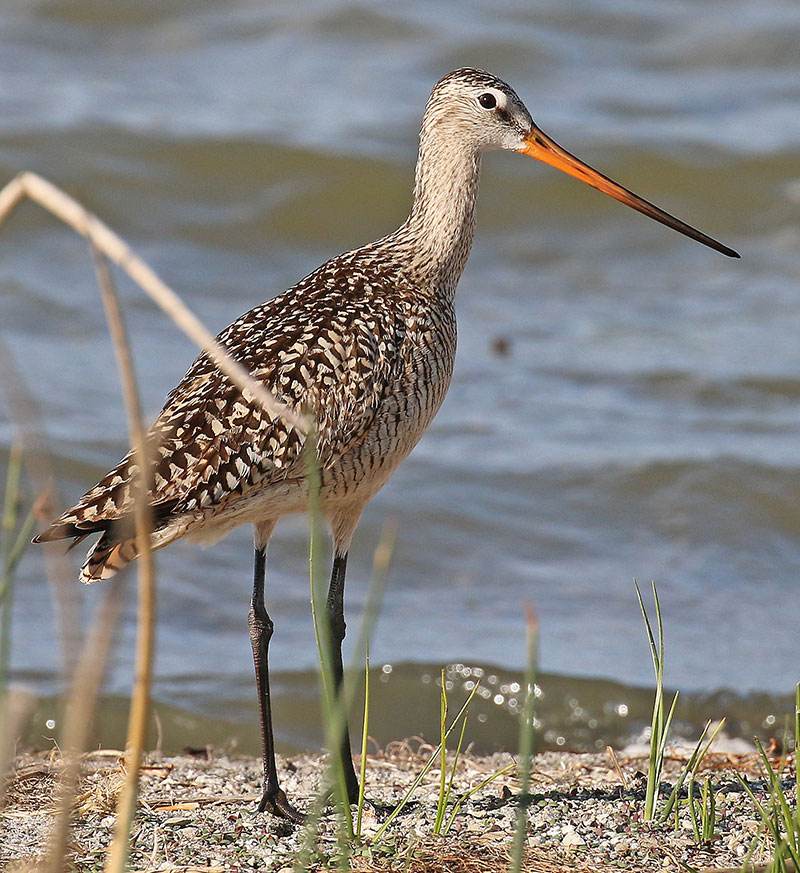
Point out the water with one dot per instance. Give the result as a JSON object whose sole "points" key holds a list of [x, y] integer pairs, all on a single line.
{"points": [[626, 403]]}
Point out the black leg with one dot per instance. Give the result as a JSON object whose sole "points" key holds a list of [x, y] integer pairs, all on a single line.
{"points": [[273, 800], [337, 624]]}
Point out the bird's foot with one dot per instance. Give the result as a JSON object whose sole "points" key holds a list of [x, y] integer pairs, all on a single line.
{"points": [[278, 804], [332, 797]]}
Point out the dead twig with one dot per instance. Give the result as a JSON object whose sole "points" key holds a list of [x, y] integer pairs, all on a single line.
{"points": [[621, 775]]}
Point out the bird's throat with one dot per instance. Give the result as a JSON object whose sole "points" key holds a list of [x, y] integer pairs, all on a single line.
{"points": [[442, 219]]}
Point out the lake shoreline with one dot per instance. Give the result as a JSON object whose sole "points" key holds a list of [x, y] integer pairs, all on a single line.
{"points": [[199, 811]]}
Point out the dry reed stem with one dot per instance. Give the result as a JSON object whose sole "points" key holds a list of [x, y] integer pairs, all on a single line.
{"points": [[72, 213], [105, 242], [145, 613], [77, 716]]}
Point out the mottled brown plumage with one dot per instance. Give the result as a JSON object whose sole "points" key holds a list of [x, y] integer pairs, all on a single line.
{"points": [[365, 344]]}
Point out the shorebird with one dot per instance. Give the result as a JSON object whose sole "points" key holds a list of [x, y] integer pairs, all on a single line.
{"points": [[366, 344]]}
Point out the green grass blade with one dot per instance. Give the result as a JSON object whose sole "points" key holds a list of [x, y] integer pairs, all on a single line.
{"points": [[781, 809], [12, 551], [11, 497], [20, 543], [381, 565], [660, 627], [662, 748], [709, 811], [659, 725], [653, 649], [421, 775], [333, 703], [362, 776], [771, 824], [456, 759], [692, 765], [692, 810], [657, 717], [797, 754], [776, 787], [473, 791], [526, 729], [688, 771], [13, 543], [764, 815], [442, 755]]}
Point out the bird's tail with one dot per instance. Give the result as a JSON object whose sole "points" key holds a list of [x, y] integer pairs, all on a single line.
{"points": [[106, 557]]}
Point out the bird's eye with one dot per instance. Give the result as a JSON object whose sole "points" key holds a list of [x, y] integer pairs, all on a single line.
{"points": [[487, 100]]}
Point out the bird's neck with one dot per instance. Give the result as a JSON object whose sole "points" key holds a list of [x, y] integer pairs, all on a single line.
{"points": [[441, 225]]}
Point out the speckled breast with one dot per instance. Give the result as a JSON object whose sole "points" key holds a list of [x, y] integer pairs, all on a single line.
{"points": [[406, 408]]}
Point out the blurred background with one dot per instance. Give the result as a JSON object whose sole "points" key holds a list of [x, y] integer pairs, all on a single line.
{"points": [[626, 403]]}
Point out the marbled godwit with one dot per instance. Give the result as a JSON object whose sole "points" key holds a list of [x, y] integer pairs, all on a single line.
{"points": [[366, 343]]}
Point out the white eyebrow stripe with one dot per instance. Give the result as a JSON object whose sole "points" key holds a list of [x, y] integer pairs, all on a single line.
{"points": [[502, 101]]}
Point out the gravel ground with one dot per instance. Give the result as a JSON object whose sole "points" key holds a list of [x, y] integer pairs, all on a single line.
{"points": [[198, 812]]}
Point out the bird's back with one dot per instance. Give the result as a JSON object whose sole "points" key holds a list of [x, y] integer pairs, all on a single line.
{"points": [[359, 344]]}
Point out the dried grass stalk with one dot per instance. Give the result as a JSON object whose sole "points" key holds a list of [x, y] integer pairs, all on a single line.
{"points": [[105, 244], [77, 717], [145, 614], [72, 213]]}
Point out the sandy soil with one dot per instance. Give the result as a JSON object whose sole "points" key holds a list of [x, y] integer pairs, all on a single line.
{"points": [[197, 811]]}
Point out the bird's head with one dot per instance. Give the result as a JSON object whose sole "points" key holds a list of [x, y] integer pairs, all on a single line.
{"points": [[479, 111], [476, 111]]}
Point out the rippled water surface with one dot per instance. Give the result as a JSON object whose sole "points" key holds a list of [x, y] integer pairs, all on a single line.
{"points": [[626, 403]]}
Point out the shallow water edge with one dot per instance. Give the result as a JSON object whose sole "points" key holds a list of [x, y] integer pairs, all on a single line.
{"points": [[572, 713]]}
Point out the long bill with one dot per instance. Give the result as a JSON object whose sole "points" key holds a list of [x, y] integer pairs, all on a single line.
{"points": [[538, 145]]}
